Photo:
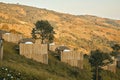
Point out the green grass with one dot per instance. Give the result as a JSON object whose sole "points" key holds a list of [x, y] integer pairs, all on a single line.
{"points": [[21, 68], [32, 70], [106, 75]]}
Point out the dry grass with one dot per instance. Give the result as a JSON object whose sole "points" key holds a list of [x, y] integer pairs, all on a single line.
{"points": [[70, 27]]}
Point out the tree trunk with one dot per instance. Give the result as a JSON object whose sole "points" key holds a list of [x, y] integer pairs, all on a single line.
{"points": [[96, 73], [48, 46], [42, 40]]}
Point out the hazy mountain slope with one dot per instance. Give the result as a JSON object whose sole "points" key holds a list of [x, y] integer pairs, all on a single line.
{"points": [[84, 32]]}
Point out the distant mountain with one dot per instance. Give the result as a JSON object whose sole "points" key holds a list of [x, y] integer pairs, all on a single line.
{"points": [[84, 32]]}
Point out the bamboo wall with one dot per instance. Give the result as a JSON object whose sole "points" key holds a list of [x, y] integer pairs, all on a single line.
{"points": [[36, 52], [11, 37], [73, 58]]}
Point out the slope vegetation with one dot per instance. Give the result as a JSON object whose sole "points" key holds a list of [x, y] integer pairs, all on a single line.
{"points": [[75, 31], [21, 68], [17, 67]]}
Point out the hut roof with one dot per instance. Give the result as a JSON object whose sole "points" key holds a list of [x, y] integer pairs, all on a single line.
{"points": [[62, 48], [52, 44], [25, 40], [3, 32]]}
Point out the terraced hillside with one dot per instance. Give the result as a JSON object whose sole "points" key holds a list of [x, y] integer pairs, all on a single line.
{"points": [[84, 32]]}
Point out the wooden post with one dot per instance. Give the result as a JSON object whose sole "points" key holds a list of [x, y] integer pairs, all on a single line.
{"points": [[1, 49], [1, 53]]}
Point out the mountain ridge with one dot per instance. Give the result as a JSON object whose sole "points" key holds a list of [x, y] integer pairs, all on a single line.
{"points": [[80, 31]]}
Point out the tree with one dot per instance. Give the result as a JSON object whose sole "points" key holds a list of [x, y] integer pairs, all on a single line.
{"points": [[33, 34], [116, 49], [44, 30], [98, 59]]}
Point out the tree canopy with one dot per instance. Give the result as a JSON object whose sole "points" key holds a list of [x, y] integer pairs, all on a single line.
{"points": [[116, 47], [116, 50], [97, 60], [44, 30]]}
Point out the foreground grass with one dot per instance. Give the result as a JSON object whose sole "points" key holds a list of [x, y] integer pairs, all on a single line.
{"points": [[106, 75], [32, 70]]}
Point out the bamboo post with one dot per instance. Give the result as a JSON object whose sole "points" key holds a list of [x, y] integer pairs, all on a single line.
{"points": [[1, 51]]}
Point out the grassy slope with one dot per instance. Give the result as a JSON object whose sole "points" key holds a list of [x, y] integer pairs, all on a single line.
{"points": [[55, 70], [32, 70]]}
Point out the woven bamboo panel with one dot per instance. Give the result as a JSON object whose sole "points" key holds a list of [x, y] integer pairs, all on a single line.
{"points": [[26, 50], [43, 58], [80, 64], [73, 59], [36, 52], [71, 55], [72, 62], [44, 49], [15, 38]]}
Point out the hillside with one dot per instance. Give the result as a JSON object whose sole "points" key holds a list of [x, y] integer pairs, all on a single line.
{"points": [[17, 67], [21, 68], [80, 31]]}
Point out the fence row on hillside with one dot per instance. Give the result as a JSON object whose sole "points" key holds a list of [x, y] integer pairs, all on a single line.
{"points": [[39, 52]]}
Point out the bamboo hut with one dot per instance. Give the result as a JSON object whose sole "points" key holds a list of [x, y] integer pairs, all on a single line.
{"points": [[72, 58], [33, 49], [12, 37]]}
